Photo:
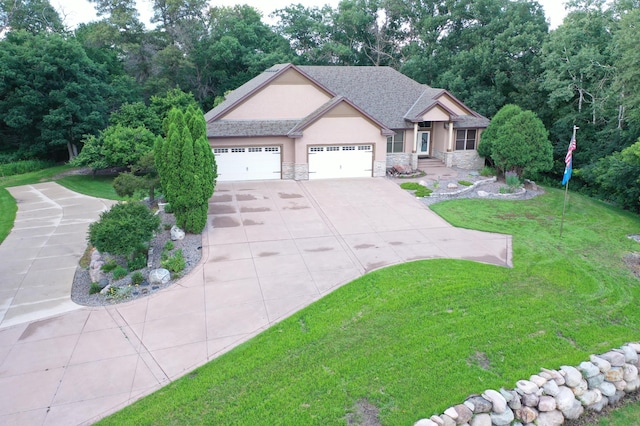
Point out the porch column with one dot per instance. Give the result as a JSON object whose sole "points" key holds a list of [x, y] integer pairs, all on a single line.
{"points": [[450, 147], [415, 137]]}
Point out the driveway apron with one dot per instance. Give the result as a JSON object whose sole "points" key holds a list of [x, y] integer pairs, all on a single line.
{"points": [[270, 249]]}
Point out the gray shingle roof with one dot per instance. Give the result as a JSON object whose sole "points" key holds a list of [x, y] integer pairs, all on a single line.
{"points": [[244, 128], [389, 97]]}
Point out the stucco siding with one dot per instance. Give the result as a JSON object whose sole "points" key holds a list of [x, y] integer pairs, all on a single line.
{"points": [[280, 102], [341, 131]]}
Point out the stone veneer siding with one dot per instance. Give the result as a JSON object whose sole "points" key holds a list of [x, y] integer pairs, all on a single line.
{"points": [[288, 171], [398, 159], [301, 172], [551, 396], [467, 160], [379, 168]]}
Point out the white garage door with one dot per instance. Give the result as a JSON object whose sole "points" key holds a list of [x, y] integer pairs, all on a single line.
{"points": [[248, 163], [340, 161]]}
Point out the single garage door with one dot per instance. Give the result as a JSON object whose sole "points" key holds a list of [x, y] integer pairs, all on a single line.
{"points": [[340, 161], [248, 163]]}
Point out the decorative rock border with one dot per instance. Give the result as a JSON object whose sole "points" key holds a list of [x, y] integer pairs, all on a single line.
{"points": [[551, 396], [465, 189]]}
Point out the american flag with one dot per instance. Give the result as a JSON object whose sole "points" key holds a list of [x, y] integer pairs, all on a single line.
{"points": [[568, 161]]}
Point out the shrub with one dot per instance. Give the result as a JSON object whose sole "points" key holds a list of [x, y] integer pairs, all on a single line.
{"points": [[412, 186], [464, 183], [512, 179], [137, 278], [174, 263], [24, 166], [487, 171], [139, 261], [421, 190], [95, 288], [168, 246], [168, 209], [109, 266], [119, 272], [123, 229]]}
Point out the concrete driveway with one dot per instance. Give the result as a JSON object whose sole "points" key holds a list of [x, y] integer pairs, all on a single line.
{"points": [[270, 249]]}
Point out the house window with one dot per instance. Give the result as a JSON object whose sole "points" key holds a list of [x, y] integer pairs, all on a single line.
{"points": [[465, 140], [395, 143], [424, 125]]}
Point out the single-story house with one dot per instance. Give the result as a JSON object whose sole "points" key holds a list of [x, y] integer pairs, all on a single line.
{"points": [[314, 122]]}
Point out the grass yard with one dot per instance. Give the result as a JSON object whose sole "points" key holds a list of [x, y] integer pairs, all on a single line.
{"points": [[98, 186], [414, 339]]}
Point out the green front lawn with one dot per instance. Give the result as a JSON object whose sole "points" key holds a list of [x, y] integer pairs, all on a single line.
{"points": [[98, 186], [416, 338]]}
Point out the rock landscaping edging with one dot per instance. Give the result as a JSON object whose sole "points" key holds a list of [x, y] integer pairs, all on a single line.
{"points": [[551, 397]]}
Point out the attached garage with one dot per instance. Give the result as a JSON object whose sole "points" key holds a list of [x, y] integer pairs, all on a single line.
{"points": [[248, 163], [340, 161]]}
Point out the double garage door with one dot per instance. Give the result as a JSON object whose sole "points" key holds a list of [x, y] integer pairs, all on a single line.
{"points": [[340, 161], [263, 163], [248, 163]]}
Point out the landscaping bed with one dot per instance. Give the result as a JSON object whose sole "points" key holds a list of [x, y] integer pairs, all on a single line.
{"points": [[191, 247]]}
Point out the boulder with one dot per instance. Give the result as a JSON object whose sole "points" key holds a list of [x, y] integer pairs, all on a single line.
{"points": [[530, 399], [176, 233], [630, 354], [103, 282], [635, 347], [572, 376], [95, 270], [546, 403], [480, 405], [632, 386], [464, 414], [482, 419], [590, 397], [447, 421], [527, 414], [588, 369], [551, 388], [425, 422], [105, 290], [483, 194], [527, 387], [437, 420], [607, 389], [565, 398], [601, 363], [550, 418], [452, 186], [556, 376], [159, 276], [595, 381], [581, 388], [515, 403], [621, 385], [503, 419], [615, 374], [615, 358], [574, 411], [613, 400], [499, 404], [451, 412], [598, 406], [630, 372], [538, 380]]}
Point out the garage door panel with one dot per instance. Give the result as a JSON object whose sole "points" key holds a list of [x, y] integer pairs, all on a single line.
{"points": [[248, 163], [340, 161]]}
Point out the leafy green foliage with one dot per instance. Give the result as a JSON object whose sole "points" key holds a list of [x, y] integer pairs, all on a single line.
{"points": [[137, 278], [137, 114], [186, 167], [52, 94], [24, 166], [119, 272], [464, 183], [109, 266], [174, 262], [94, 288], [519, 142], [420, 190], [138, 261], [124, 146], [124, 229]]}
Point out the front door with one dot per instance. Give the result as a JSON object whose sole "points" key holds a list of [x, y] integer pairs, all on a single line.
{"points": [[424, 140]]}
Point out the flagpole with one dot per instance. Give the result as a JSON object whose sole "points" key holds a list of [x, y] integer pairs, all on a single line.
{"points": [[566, 188]]}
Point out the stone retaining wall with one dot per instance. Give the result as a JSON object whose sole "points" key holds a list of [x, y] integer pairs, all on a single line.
{"points": [[551, 396]]}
